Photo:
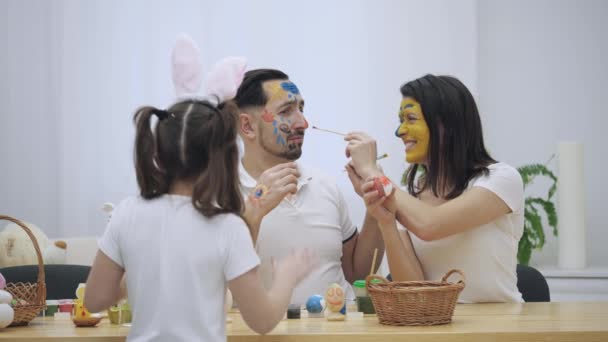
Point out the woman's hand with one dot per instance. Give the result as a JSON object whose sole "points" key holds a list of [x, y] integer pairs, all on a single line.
{"points": [[382, 207], [362, 149], [356, 180]]}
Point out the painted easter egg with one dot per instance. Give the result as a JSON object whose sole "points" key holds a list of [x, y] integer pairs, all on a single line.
{"points": [[2, 282], [315, 304], [383, 185], [334, 297]]}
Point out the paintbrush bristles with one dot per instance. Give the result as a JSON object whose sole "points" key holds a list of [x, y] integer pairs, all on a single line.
{"points": [[329, 131]]}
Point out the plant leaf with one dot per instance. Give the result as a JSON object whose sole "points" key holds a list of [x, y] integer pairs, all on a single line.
{"points": [[524, 250]]}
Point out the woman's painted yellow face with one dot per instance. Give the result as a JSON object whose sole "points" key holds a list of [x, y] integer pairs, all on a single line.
{"points": [[414, 131]]}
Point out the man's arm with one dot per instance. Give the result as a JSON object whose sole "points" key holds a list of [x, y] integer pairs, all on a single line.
{"points": [[358, 252]]}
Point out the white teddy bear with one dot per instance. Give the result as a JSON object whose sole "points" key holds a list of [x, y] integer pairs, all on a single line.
{"points": [[16, 247]]}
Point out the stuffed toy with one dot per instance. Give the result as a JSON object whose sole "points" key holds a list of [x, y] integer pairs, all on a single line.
{"points": [[16, 247]]}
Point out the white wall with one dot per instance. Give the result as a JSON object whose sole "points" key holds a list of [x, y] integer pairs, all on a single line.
{"points": [[76, 71], [542, 79], [29, 148], [73, 72]]}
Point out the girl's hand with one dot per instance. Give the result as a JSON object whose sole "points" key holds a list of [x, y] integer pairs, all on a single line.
{"points": [[297, 265]]}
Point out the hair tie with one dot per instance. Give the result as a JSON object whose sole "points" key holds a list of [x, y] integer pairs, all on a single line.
{"points": [[161, 114]]}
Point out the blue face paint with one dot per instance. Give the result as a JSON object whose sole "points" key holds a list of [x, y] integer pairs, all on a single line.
{"points": [[290, 88], [280, 140]]}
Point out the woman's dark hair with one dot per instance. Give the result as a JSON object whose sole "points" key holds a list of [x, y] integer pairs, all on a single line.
{"points": [[192, 140], [456, 150]]}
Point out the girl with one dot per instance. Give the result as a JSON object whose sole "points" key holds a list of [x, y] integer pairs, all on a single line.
{"points": [[463, 211], [182, 241]]}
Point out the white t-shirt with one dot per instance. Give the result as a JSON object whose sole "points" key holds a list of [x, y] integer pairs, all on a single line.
{"points": [[316, 218], [487, 255], [177, 263]]}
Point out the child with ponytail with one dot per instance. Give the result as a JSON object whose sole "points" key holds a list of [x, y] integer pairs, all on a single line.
{"points": [[183, 240]]}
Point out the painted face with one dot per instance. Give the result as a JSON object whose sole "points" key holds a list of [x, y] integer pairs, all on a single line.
{"points": [[414, 131], [334, 297], [281, 132]]}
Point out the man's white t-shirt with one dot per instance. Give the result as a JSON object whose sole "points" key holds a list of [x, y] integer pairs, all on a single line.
{"points": [[316, 218], [487, 254], [177, 263]]}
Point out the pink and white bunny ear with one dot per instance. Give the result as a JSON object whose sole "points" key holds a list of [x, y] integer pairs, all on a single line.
{"points": [[186, 66], [225, 78]]}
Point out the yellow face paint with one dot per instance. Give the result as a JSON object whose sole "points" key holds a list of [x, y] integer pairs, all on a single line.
{"points": [[414, 131], [273, 88]]}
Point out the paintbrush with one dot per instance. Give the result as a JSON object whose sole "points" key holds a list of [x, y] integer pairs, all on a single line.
{"points": [[329, 131]]}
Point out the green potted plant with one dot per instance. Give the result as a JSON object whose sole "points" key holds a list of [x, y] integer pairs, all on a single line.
{"points": [[534, 234]]}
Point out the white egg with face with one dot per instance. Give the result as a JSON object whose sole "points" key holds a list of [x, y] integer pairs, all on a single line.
{"points": [[5, 297], [334, 297]]}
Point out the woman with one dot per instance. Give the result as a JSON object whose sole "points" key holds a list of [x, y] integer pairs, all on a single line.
{"points": [[462, 209]]}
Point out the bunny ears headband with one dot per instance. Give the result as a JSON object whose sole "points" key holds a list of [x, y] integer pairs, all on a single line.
{"points": [[220, 84]]}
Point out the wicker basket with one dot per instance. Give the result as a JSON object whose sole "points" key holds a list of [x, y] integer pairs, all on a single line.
{"points": [[33, 294], [415, 302]]}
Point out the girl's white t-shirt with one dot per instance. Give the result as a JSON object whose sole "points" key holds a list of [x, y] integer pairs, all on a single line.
{"points": [[177, 264], [487, 254]]}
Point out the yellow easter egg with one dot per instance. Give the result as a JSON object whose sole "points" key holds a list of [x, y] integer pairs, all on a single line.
{"points": [[80, 291]]}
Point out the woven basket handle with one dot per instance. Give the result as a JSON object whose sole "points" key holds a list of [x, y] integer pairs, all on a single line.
{"points": [[369, 278], [447, 275], [41, 289]]}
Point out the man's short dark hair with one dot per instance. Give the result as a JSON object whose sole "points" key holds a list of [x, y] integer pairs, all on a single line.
{"points": [[251, 93]]}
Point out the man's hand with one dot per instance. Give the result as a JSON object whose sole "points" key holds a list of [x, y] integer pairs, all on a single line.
{"points": [[273, 185]]}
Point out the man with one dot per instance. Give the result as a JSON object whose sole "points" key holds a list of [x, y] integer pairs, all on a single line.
{"points": [[290, 205]]}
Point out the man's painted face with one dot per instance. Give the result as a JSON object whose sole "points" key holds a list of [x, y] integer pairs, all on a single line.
{"points": [[413, 130], [282, 126]]}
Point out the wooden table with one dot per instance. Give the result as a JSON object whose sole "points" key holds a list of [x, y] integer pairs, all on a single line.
{"points": [[472, 322]]}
